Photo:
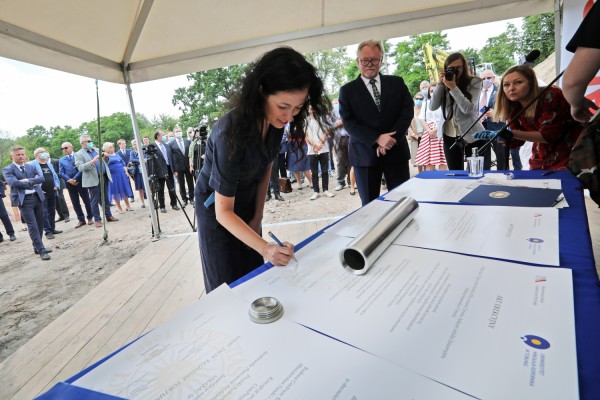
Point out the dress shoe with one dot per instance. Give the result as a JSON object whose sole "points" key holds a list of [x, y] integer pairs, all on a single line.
{"points": [[98, 224], [50, 235], [47, 251], [278, 197], [112, 219], [90, 221], [80, 224], [44, 255], [176, 208], [56, 232], [163, 210], [13, 238]]}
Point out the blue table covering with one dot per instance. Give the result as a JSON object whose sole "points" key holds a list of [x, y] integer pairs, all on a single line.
{"points": [[576, 253]]}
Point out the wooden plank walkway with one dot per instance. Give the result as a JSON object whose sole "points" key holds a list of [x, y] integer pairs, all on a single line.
{"points": [[159, 281]]}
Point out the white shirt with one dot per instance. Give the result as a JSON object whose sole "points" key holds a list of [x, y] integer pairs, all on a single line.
{"points": [[315, 135], [370, 87]]}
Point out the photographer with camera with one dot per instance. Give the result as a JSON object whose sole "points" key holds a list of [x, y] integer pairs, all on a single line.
{"points": [[458, 96]]}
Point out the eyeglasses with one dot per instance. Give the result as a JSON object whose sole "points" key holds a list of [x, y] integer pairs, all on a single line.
{"points": [[488, 78], [369, 61], [64, 148]]}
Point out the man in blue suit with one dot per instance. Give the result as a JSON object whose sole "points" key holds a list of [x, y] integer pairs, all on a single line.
{"points": [[72, 177], [376, 111], [26, 192]]}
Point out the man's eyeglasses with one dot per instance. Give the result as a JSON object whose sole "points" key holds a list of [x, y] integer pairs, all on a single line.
{"points": [[488, 78], [369, 61], [64, 148]]}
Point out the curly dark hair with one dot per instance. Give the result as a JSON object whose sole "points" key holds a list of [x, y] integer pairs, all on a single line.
{"points": [[280, 70]]}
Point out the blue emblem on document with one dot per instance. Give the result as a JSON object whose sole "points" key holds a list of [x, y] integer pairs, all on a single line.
{"points": [[536, 342], [535, 240]]}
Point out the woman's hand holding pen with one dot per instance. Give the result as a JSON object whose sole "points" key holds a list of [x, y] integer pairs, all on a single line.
{"points": [[279, 255]]}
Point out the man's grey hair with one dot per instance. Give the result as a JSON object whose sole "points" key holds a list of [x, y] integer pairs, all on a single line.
{"points": [[83, 138], [370, 43]]}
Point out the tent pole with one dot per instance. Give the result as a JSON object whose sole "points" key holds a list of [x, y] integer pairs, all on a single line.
{"points": [[136, 133]]}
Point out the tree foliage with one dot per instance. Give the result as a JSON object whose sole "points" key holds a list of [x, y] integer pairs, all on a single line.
{"points": [[204, 101], [538, 33], [409, 58], [500, 50], [330, 66]]}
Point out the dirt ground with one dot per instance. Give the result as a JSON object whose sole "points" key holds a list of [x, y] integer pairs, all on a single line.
{"points": [[34, 292]]}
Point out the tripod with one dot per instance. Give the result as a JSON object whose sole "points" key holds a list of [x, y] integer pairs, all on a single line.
{"points": [[156, 172]]}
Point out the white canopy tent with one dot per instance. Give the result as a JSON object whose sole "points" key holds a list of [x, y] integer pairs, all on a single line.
{"points": [[130, 41]]}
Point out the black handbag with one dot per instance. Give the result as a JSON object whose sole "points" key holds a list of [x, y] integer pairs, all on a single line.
{"points": [[132, 169]]}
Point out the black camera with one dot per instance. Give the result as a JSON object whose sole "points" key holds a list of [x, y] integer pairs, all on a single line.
{"points": [[450, 73], [203, 132], [150, 149]]}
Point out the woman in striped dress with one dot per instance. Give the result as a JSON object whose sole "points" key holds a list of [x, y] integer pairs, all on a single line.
{"points": [[431, 147]]}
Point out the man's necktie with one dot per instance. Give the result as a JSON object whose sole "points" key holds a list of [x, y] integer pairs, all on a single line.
{"points": [[376, 94], [180, 142], [22, 167], [484, 99]]}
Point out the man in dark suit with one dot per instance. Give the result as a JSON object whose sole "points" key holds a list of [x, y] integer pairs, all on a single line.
{"points": [[10, 231], [61, 205], [376, 111], [164, 158], [180, 149], [72, 178], [26, 192], [488, 98]]}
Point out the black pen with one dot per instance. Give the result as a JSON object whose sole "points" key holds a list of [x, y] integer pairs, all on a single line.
{"points": [[279, 243], [457, 174], [548, 172]]}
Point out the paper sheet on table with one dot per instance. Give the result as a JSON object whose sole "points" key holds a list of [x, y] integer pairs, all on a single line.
{"points": [[524, 234], [213, 351], [452, 190], [492, 329]]}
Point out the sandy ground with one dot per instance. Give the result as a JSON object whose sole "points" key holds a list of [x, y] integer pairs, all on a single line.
{"points": [[34, 292]]}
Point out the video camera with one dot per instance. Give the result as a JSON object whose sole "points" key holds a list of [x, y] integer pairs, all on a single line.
{"points": [[203, 132], [450, 73], [150, 149]]}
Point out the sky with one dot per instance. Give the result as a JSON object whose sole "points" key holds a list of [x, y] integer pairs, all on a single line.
{"points": [[32, 95]]}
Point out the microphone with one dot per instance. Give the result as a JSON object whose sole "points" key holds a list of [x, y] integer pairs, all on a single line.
{"points": [[530, 58]]}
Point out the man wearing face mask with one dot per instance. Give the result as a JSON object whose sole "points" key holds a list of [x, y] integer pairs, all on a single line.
{"points": [[180, 150], [50, 187], [89, 162]]}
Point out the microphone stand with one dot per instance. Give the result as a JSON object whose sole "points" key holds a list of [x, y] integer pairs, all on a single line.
{"points": [[485, 109], [516, 117]]}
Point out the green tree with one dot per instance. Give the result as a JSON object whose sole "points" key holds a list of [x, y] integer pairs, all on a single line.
{"points": [[6, 142], [538, 33], [35, 137], [500, 50], [205, 99], [61, 135], [330, 66], [165, 122], [114, 127], [409, 57]]}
